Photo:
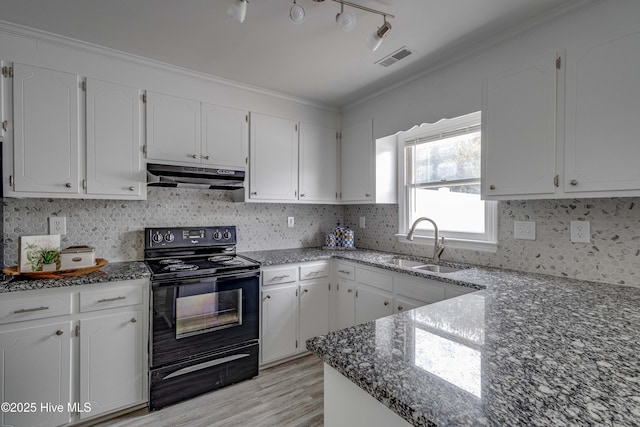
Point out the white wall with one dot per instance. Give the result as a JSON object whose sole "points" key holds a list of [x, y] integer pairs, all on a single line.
{"points": [[455, 90]]}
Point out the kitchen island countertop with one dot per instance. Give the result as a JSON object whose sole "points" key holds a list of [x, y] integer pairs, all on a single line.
{"points": [[112, 272], [528, 349]]}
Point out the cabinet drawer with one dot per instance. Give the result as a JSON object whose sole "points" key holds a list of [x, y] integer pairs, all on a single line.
{"points": [[110, 298], [314, 271], [346, 272], [375, 278], [274, 276], [425, 290], [40, 307]]}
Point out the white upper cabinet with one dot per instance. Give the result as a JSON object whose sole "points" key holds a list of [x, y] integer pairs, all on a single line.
{"points": [[225, 136], [173, 128], [318, 164], [114, 139], [602, 148], [273, 173], [519, 135], [357, 156], [46, 136]]}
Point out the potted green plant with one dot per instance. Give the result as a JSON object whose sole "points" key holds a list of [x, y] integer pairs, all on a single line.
{"points": [[49, 258]]}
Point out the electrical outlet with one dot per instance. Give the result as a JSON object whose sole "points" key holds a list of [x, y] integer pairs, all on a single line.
{"points": [[57, 225], [580, 231], [524, 230], [290, 222], [363, 223]]}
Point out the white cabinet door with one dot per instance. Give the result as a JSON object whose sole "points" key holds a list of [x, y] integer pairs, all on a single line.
{"points": [[46, 136], [357, 152], [173, 128], [274, 158], [279, 323], [372, 304], [602, 114], [345, 305], [402, 304], [225, 136], [114, 139], [36, 367], [519, 139], [314, 310], [111, 361], [318, 163]]}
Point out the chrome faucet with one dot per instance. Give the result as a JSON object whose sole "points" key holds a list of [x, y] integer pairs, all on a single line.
{"points": [[438, 244]]}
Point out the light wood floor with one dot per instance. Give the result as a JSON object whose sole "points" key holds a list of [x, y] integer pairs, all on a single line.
{"points": [[290, 394]]}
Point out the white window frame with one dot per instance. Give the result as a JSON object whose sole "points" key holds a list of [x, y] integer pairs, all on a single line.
{"points": [[488, 241]]}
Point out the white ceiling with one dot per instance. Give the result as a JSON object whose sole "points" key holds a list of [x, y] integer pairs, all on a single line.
{"points": [[315, 60]]}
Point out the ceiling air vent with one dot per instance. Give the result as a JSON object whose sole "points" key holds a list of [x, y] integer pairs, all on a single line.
{"points": [[396, 56]]}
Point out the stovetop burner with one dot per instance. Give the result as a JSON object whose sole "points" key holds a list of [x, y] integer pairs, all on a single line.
{"points": [[170, 261], [220, 258], [180, 267]]}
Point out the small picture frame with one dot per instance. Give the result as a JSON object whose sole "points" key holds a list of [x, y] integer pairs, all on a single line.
{"points": [[39, 253]]}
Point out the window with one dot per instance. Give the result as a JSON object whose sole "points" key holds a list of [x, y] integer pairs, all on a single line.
{"points": [[441, 171]]}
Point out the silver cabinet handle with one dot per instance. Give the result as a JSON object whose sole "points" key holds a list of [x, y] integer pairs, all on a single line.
{"points": [[367, 195], [344, 272], [132, 188], [207, 157], [134, 320], [386, 303], [349, 290], [59, 332], [492, 187], [400, 308], [68, 185], [306, 290], [194, 156], [254, 193], [303, 195], [268, 296], [574, 182], [29, 310], [279, 277], [111, 299]]}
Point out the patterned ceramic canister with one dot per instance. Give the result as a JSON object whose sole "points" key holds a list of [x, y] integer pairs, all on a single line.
{"points": [[330, 241], [348, 239]]}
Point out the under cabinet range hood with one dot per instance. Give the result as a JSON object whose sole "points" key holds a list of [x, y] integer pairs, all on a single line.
{"points": [[194, 177]]}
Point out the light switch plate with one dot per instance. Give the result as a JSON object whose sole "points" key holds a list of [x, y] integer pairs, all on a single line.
{"points": [[363, 223], [581, 231], [524, 230], [290, 222]]}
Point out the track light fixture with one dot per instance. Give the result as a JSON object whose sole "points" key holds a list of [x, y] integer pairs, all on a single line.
{"points": [[238, 10], [346, 21], [297, 14], [375, 40]]}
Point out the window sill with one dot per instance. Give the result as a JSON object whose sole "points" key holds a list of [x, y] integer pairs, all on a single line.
{"points": [[472, 245]]}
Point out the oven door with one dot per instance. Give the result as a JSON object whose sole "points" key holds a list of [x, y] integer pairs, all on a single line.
{"points": [[195, 316]]}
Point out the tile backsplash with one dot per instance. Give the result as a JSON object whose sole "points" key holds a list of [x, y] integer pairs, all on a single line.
{"points": [[115, 227], [613, 256]]}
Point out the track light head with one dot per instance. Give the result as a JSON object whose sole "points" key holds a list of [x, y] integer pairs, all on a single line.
{"points": [[375, 40], [238, 10], [297, 14]]}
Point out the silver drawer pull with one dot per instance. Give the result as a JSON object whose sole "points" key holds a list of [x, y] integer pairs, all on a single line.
{"points": [[349, 290], [280, 277], [400, 308], [134, 320], [29, 310], [111, 299], [386, 303], [313, 273], [344, 272], [59, 332]]}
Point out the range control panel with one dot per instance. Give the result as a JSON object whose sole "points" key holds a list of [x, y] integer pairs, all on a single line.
{"points": [[187, 237]]}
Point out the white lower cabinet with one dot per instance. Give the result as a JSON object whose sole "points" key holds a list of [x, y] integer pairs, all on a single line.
{"points": [[73, 363], [345, 305], [372, 303], [111, 362], [36, 368], [295, 307]]}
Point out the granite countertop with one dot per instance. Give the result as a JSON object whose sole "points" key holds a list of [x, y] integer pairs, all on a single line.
{"points": [[112, 272]]}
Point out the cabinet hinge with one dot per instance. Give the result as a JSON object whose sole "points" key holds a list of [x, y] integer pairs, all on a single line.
{"points": [[5, 125], [84, 184], [12, 181], [83, 85], [246, 160], [338, 287], [329, 286], [144, 149], [144, 98], [356, 294], [296, 128], [556, 180], [77, 332], [7, 72], [296, 292], [246, 118], [296, 343], [558, 62]]}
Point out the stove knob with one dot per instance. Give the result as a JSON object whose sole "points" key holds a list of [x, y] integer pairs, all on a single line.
{"points": [[157, 237], [169, 237], [226, 235], [216, 235]]}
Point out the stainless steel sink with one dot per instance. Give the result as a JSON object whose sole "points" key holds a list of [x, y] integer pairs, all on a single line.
{"points": [[421, 265], [437, 268], [408, 263]]}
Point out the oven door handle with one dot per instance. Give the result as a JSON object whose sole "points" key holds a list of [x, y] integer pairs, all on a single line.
{"points": [[205, 365], [221, 278]]}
